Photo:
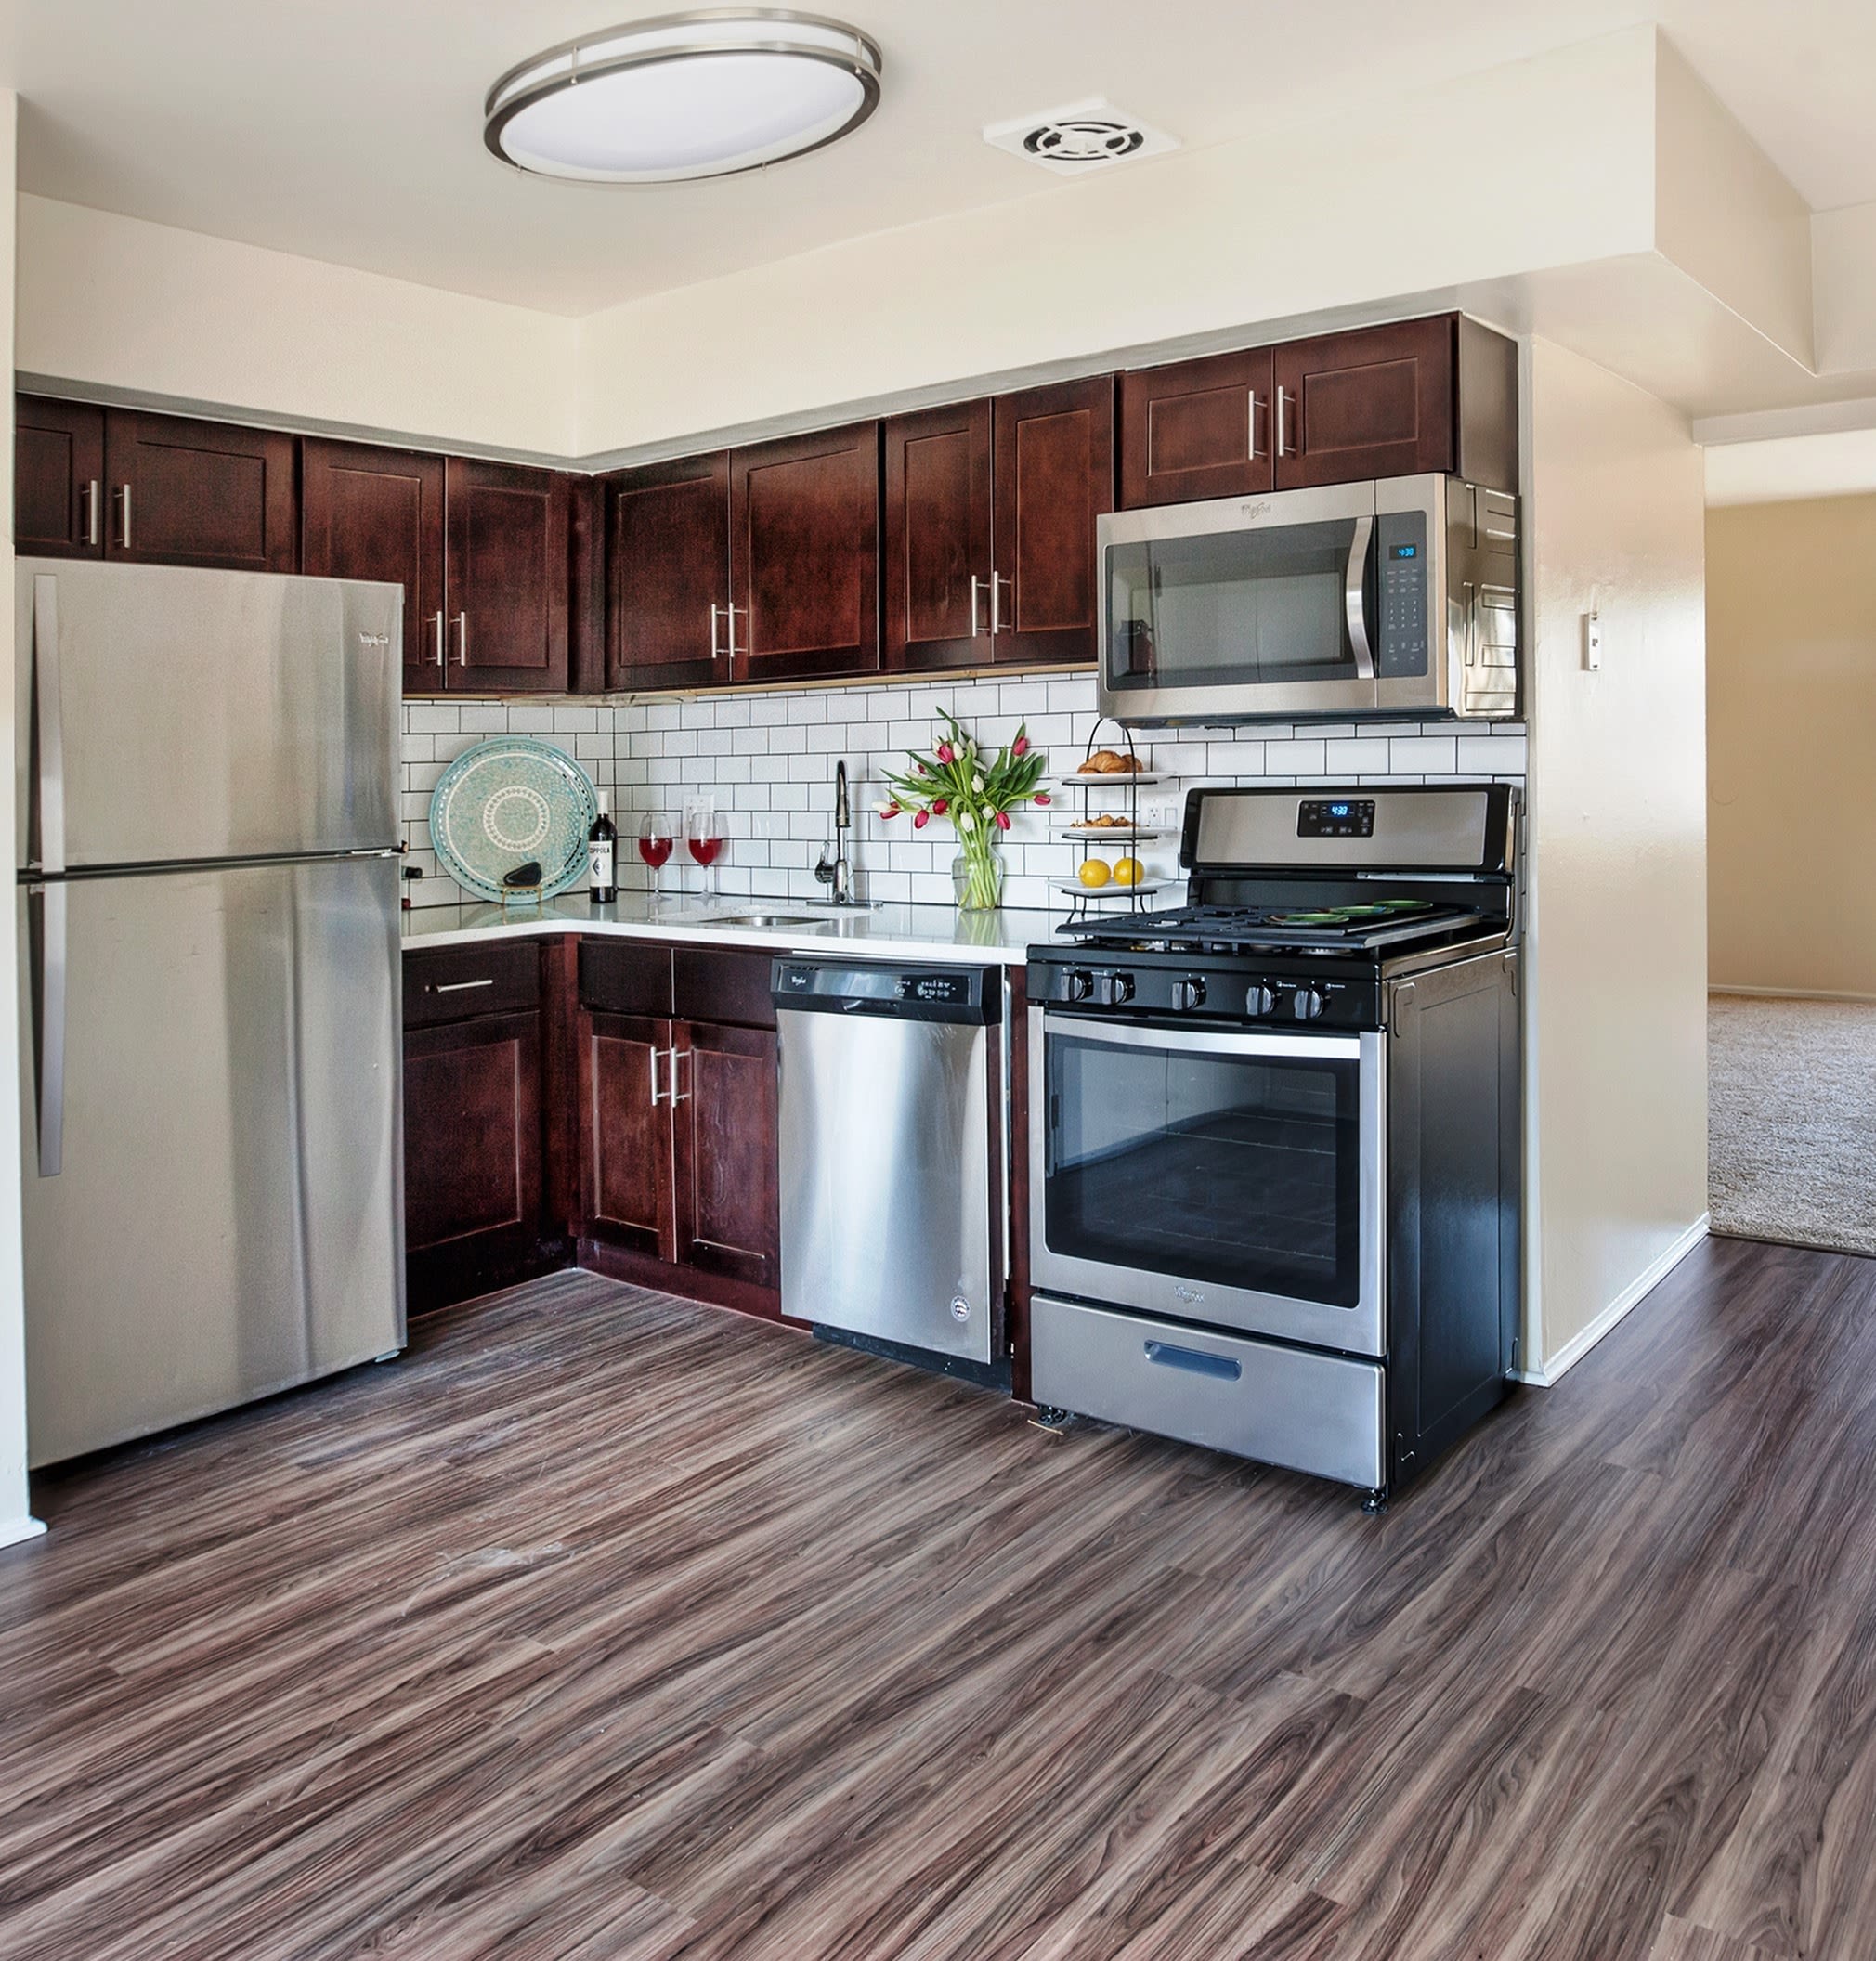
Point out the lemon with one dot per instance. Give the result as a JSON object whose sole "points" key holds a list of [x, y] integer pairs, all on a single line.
{"points": [[1094, 873], [1127, 871]]}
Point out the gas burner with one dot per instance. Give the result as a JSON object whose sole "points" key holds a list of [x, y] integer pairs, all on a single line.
{"points": [[1326, 928]]}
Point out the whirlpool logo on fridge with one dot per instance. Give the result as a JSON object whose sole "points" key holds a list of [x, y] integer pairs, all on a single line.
{"points": [[374, 640]]}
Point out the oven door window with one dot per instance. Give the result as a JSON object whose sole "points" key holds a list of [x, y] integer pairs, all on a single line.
{"points": [[1231, 609], [1240, 1170]]}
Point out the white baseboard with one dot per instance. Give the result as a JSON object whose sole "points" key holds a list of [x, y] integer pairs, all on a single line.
{"points": [[14, 1529], [1579, 1346], [1787, 993]]}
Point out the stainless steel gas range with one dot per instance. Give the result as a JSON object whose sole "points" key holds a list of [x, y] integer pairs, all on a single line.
{"points": [[1275, 1135]]}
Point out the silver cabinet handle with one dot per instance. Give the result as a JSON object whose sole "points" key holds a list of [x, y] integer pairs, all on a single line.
{"points": [[655, 1052], [996, 584], [439, 636], [732, 611], [1282, 422], [124, 517], [89, 500], [1256, 405], [715, 650], [679, 1095], [1354, 597], [48, 722], [463, 640], [976, 584], [49, 980], [457, 987]]}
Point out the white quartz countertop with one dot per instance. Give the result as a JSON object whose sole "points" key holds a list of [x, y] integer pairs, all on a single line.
{"points": [[1000, 938]]}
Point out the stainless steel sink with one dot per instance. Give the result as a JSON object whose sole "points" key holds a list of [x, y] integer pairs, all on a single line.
{"points": [[819, 918]]}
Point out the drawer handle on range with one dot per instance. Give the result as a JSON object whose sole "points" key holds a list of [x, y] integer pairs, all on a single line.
{"points": [[456, 987], [1194, 1360]]}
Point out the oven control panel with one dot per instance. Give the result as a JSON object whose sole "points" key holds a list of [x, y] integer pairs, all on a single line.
{"points": [[1239, 992]]}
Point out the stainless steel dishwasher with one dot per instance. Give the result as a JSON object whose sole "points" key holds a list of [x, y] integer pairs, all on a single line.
{"points": [[893, 1187]]}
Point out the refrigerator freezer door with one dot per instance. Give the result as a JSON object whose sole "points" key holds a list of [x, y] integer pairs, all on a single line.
{"points": [[204, 715], [226, 1214]]}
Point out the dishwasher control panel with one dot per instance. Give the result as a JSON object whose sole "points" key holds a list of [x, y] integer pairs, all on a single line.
{"points": [[912, 994]]}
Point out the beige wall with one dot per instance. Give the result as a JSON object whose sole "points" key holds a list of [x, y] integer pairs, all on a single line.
{"points": [[15, 1518], [1791, 745], [1616, 1014]]}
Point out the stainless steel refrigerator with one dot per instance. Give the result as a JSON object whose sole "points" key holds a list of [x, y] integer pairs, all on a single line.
{"points": [[207, 803]]}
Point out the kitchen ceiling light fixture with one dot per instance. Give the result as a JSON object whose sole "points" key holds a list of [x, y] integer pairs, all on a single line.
{"points": [[682, 97]]}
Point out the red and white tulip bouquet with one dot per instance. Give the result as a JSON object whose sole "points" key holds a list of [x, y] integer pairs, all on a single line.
{"points": [[977, 793]]}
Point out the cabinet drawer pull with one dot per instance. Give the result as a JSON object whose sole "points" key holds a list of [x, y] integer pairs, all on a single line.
{"points": [[1196, 1361], [655, 1052], [457, 987], [680, 1096], [91, 498]]}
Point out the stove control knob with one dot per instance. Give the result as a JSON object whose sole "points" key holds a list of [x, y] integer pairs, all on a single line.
{"points": [[1258, 999], [1113, 989], [1076, 986], [1308, 1004], [1189, 993]]}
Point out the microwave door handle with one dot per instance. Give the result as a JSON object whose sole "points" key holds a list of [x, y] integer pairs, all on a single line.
{"points": [[1354, 597]]}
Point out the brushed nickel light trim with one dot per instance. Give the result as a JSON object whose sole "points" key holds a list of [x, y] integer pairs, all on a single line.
{"points": [[667, 40]]}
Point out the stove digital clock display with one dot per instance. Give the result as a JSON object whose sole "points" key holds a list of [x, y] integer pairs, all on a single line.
{"points": [[1337, 817]]}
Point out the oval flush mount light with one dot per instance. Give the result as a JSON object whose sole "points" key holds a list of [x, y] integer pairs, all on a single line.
{"points": [[684, 96]]}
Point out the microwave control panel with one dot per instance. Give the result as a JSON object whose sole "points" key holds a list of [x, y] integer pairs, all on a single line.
{"points": [[1400, 546]]}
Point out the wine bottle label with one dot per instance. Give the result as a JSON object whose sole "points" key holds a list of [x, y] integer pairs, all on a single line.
{"points": [[600, 855]]}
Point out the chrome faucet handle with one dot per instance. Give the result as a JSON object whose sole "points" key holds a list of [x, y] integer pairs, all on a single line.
{"points": [[828, 866]]}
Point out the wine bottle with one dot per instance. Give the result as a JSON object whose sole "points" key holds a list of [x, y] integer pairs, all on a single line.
{"points": [[601, 877]]}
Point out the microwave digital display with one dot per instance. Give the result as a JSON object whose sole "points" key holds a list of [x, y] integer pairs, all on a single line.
{"points": [[1405, 552]]}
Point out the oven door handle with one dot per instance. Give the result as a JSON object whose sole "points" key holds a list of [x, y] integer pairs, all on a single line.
{"points": [[1194, 1042], [1355, 597]]}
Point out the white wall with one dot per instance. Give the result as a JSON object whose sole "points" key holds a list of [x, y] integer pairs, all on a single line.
{"points": [[151, 312], [1616, 1018], [16, 1521]]}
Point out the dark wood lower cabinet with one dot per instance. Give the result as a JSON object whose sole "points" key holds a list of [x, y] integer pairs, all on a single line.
{"points": [[726, 1186], [626, 1143]]}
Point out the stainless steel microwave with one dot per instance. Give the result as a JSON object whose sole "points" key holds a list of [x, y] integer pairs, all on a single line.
{"points": [[1392, 598]]}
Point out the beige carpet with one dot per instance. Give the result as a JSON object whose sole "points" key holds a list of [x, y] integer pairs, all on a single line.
{"points": [[1792, 1121]]}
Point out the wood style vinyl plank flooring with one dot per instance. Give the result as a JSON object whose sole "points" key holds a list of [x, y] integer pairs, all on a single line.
{"points": [[606, 1627]]}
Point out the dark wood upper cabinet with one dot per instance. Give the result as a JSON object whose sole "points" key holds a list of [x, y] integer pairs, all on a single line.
{"points": [[1374, 402], [726, 1176], [1195, 430], [669, 623], [185, 493], [937, 546], [506, 579], [58, 479], [804, 556], [368, 512], [1053, 451]]}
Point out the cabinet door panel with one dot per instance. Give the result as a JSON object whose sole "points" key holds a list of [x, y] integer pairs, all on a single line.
{"points": [[58, 479], [1195, 430], [472, 1130], [188, 493], [728, 1188], [1374, 402], [1054, 476], [938, 537], [667, 567], [626, 1138], [804, 556], [507, 535], [367, 512]]}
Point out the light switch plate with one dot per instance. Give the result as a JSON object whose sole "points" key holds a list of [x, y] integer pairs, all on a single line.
{"points": [[1592, 640]]}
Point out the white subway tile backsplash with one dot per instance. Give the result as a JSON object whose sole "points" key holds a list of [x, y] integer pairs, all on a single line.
{"points": [[770, 760]]}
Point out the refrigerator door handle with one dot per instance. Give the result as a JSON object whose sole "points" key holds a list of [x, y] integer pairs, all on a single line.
{"points": [[50, 1026], [49, 786]]}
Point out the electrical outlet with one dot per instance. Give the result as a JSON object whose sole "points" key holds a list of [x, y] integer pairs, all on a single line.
{"points": [[1592, 640], [1160, 813]]}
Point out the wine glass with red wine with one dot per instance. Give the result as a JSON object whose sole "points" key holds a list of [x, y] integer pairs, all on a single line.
{"points": [[704, 838], [657, 839]]}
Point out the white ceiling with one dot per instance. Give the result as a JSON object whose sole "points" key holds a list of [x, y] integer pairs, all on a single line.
{"points": [[350, 130]]}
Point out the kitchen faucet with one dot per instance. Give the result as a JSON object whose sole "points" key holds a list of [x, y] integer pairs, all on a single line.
{"points": [[838, 872]]}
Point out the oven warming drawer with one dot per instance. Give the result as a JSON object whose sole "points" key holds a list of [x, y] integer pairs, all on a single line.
{"points": [[1319, 1413]]}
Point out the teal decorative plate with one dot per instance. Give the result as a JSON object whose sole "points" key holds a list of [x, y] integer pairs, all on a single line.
{"points": [[506, 801]]}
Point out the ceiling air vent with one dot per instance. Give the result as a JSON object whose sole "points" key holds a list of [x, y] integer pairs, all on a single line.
{"points": [[1085, 135]]}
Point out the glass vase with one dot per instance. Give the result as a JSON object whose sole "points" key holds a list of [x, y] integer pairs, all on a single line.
{"points": [[977, 877]]}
